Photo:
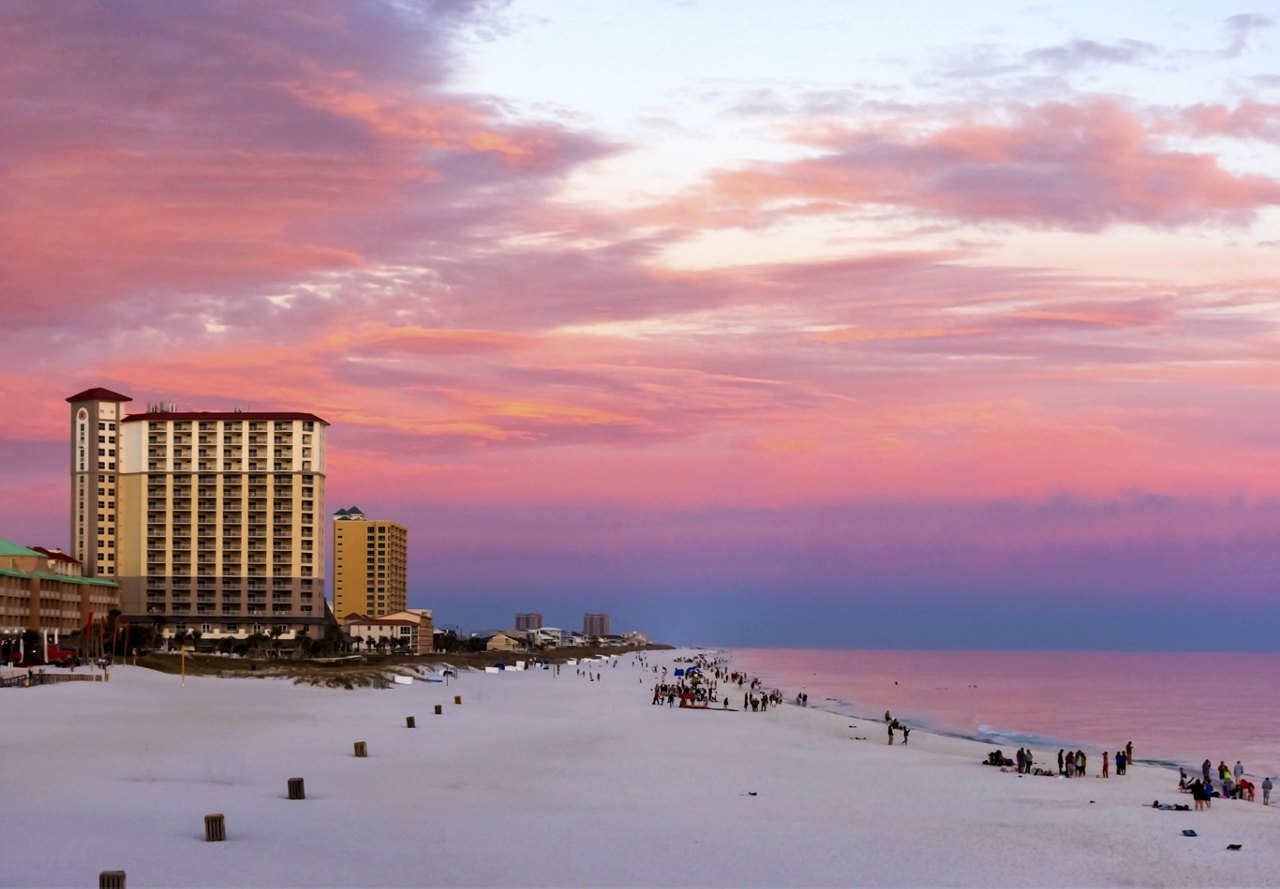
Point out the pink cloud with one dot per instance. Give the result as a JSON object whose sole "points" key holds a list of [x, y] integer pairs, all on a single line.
{"points": [[1247, 120], [223, 154], [1081, 167]]}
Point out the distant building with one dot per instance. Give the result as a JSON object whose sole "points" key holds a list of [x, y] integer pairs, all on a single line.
{"points": [[528, 621], [508, 640], [206, 520], [45, 590], [370, 565], [411, 630], [595, 624], [552, 637]]}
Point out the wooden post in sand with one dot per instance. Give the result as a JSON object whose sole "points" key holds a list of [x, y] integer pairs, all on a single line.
{"points": [[439, 709], [362, 749], [410, 722], [296, 789], [111, 879], [457, 699], [215, 828]]}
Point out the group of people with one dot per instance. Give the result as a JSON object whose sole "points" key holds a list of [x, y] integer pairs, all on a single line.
{"points": [[1071, 763], [896, 726], [698, 685], [1231, 784], [1075, 764]]}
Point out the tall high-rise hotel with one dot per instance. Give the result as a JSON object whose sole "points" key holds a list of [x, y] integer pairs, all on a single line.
{"points": [[210, 521], [370, 565]]}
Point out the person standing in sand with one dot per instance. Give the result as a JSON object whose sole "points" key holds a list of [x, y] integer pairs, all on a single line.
{"points": [[891, 733], [1080, 763], [1128, 753], [1062, 768], [1106, 765], [1198, 794], [1266, 791], [1238, 771]]}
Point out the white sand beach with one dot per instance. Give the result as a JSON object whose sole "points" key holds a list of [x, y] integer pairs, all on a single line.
{"points": [[545, 780]]}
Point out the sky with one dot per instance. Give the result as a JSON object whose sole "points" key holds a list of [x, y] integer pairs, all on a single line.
{"points": [[817, 323]]}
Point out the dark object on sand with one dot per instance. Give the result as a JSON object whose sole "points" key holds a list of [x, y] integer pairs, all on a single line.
{"points": [[215, 828], [1189, 833], [1235, 847]]}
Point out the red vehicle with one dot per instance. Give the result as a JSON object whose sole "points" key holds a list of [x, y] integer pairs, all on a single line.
{"points": [[54, 657]]}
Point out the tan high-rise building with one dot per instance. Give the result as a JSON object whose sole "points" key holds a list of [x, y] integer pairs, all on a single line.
{"points": [[370, 565], [209, 521], [95, 455]]}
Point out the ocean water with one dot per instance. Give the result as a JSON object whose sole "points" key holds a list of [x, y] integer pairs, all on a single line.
{"points": [[1177, 708]]}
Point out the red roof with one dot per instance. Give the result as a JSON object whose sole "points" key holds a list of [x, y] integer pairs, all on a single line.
{"points": [[56, 554], [98, 394], [224, 415]]}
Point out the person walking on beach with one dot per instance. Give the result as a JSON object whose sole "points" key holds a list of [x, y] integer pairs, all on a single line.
{"points": [[1106, 765], [906, 734], [1266, 791]]}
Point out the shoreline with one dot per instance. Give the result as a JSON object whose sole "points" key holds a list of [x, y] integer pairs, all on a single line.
{"points": [[541, 778], [986, 717]]}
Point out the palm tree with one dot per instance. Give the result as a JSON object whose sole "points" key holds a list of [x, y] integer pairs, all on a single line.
{"points": [[157, 630], [276, 632], [253, 645], [302, 642]]}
